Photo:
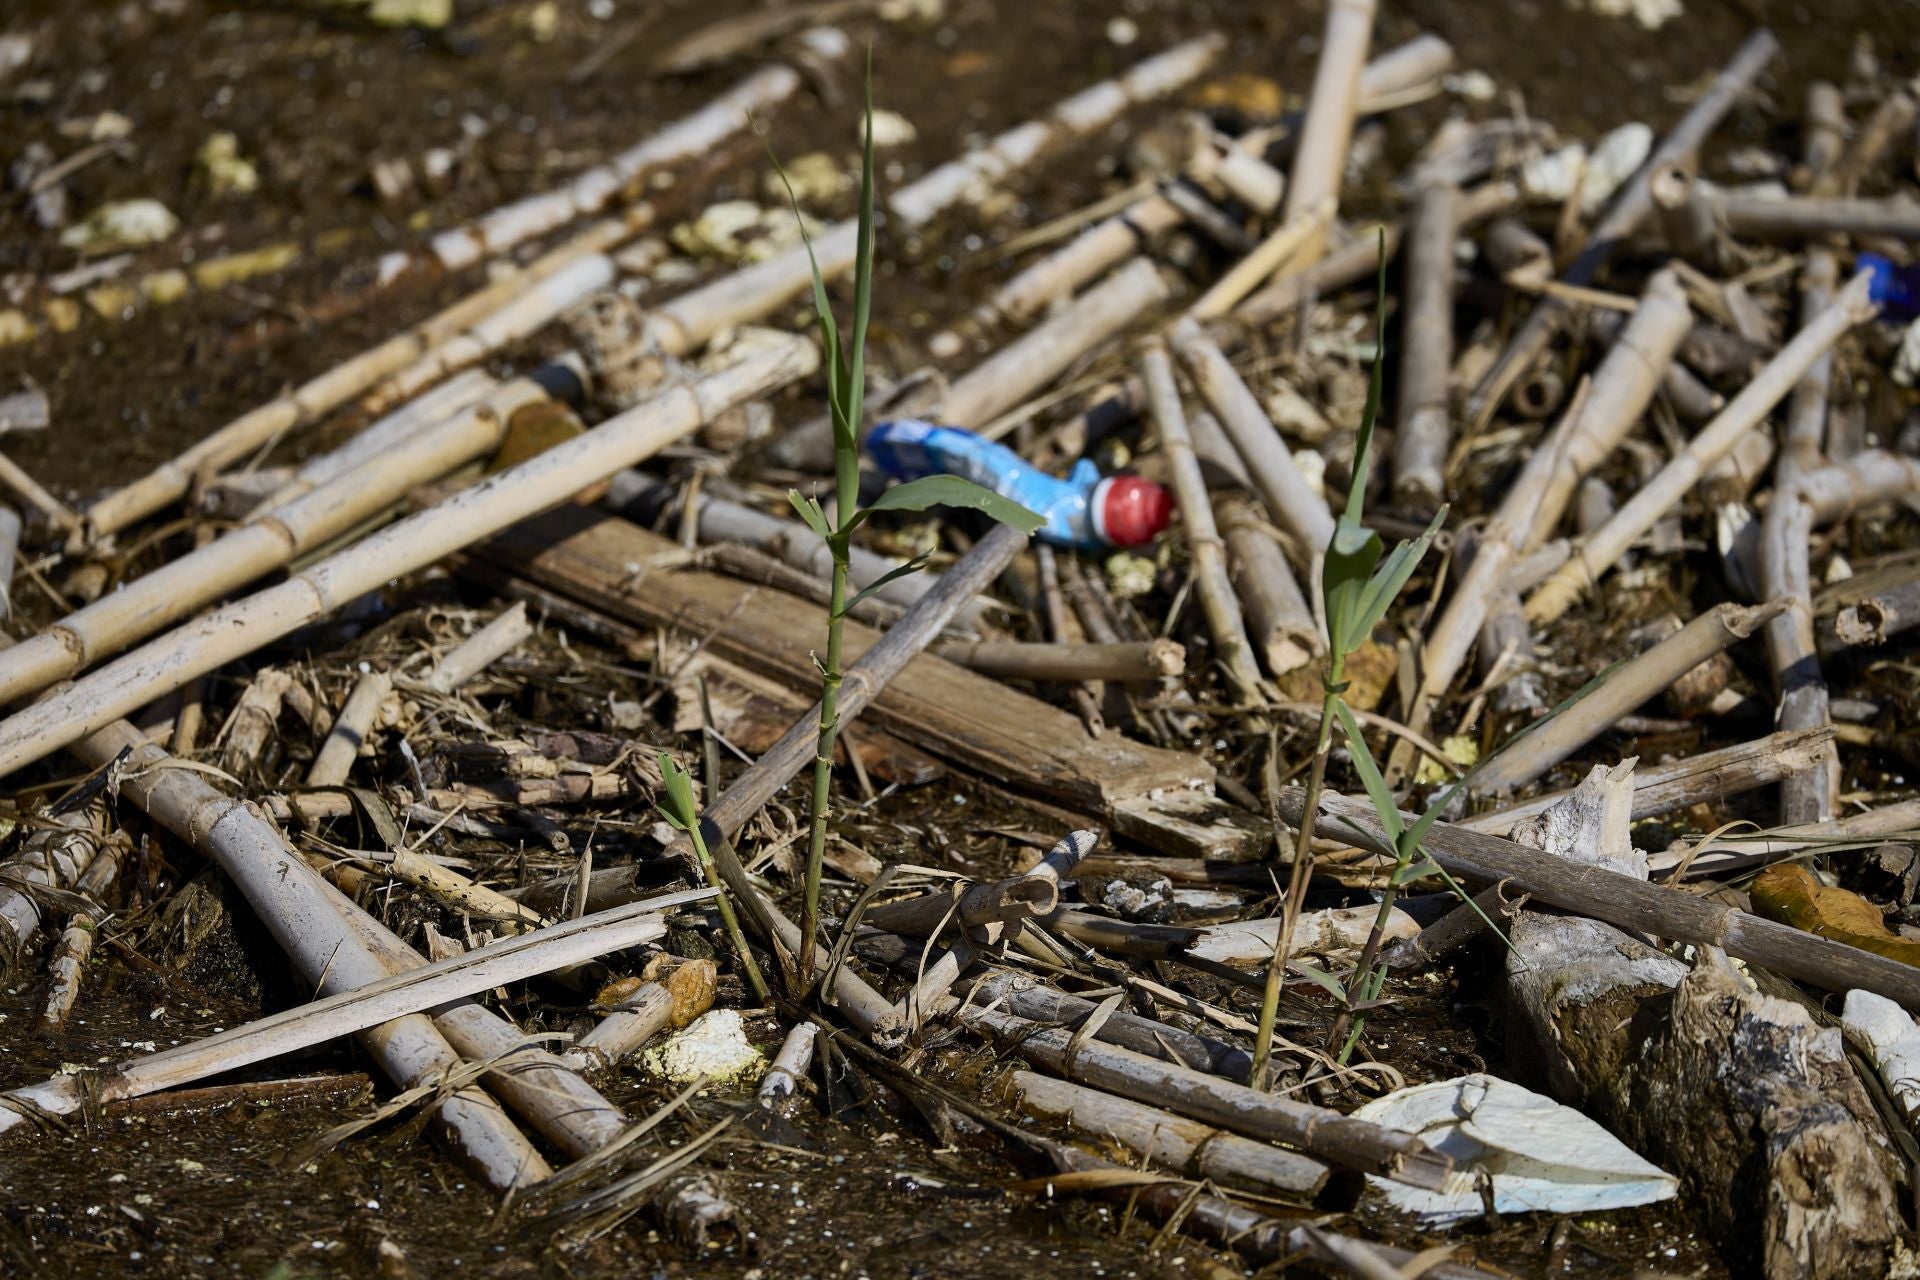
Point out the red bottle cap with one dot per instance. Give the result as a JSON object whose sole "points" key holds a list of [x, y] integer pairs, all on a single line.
{"points": [[1131, 512]]}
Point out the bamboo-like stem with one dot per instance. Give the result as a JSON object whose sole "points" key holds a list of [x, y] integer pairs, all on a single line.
{"points": [[69, 961], [1711, 777], [788, 1070], [1185, 1146], [1516, 254], [1600, 550], [217, 638], [1278, 620], [1359, 258], [54, 856], [1052, 611], [1623, 216], [1337, 1139], [1297, 237], [1687, 217], [1631, 903], [1012, 373], [1126, 661], [1814, 217], [1785, 573], [1423, 437], [582, 259], [1631, 684], [504, 633], [1891, 121], [1290, 501], [696, 135], [30, 491], [1879, 617], [688, 321], [1824, 137], [1217, 599], [10, 529], [636, 1020], [1535, 502], [1320, 161], [333, 763], [269, 541]]}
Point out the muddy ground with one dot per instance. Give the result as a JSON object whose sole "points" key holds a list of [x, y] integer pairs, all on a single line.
{"points": [[314, 98]]}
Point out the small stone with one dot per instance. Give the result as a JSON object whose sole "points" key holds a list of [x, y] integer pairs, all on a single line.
{"points": [[223, 169], [891, 129], [1617, 158], [121, 224], [816, 178], [542, 22], [1123, 31], [1129, 576], [410, 13]]}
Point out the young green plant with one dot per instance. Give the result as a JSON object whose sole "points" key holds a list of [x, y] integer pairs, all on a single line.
{"points": [[846, 388], [1357, 586], [683, 814]]}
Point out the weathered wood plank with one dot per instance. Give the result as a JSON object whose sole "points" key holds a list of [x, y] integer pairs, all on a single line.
{"points": [[967, 719]]}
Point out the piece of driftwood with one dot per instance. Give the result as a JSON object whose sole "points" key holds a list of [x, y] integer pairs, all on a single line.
{"points": [[1422, 432], [1631, 904], [1634, 682], [1326, 1134], [1187, 1147], [1624, 214], [68, 964], [1812, 217], [1162, 798], [351, 729], [1600, 550], [1742, 1095], [1217, 599], [217, 638]]}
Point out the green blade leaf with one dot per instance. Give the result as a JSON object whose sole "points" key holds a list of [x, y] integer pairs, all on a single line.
{"points": [[680, 808], [1320, 978], [1363, 450], [953, 491], [1387, 581], [914, 565], [809, 509], [856, 384], [822, 307], [1350, 561], [1381, 795]]}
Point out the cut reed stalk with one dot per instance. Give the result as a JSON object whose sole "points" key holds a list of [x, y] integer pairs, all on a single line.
{"points": [[1217, 599], [1320, 160], [1124, 661], [1291, 502], [1626, 212], [584, 254], [1423, 436], [1600, 550], [1633, 683], [535, 485]]}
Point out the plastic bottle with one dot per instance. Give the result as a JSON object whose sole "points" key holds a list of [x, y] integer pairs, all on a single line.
{"points": [[1895, 288], [1086, 511]]}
